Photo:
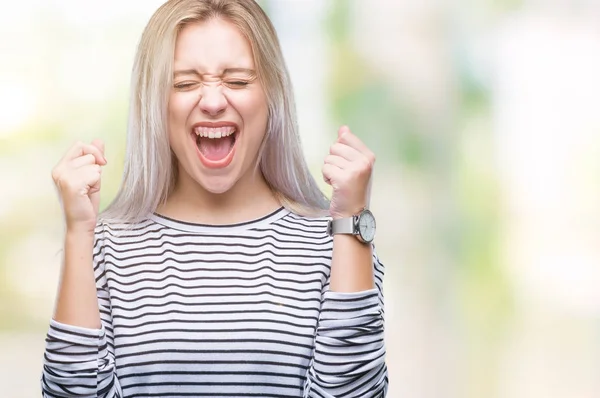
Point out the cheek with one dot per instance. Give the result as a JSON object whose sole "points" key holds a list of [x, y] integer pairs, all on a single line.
{"points": [[179, 109], [253, 109], [178, 113]]}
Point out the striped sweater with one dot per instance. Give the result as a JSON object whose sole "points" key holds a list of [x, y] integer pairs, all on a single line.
{"points": [[243, 310]]}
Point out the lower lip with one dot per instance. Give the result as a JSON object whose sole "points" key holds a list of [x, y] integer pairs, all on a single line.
{"points": [[218, 164]]}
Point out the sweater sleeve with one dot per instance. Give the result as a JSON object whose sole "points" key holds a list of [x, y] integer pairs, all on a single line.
{"points": [[349, 355], [80, 362]]}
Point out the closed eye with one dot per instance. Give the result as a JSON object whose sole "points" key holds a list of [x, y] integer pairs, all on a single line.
{"points": [[183, 86], [238, 83]]}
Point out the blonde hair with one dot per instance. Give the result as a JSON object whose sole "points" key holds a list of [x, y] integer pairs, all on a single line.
{"points": [[150, 166]]}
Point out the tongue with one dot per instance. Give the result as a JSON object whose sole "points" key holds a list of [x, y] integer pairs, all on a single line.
{"points": [[215, 148]]}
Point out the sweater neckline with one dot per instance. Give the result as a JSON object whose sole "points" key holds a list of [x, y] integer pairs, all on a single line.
{"points": [[220, 228]]}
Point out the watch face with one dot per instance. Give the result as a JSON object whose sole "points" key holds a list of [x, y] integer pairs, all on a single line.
{"points": [[366, 226]]}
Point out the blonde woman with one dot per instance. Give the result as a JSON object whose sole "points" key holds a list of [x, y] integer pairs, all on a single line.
{"points": [[219, 269]]}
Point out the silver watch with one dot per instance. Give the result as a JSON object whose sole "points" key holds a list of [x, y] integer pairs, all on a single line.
{"points": [[361, 225]]}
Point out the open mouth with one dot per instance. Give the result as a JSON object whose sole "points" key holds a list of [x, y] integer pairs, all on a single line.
{"points": [[215, 144]]}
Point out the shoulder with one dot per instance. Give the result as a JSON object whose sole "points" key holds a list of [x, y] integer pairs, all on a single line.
{"points": [[314, 226], [115, 241], [109, 232], [308, 220]]}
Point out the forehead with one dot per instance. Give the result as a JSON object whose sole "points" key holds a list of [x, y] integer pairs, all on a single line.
{"points": [[211, 46]]}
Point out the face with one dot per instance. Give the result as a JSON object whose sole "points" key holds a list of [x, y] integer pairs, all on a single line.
{"points": [[217, 108]]}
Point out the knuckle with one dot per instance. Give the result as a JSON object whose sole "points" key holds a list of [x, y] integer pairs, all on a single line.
{"points": [[365, 172], [357, 173], [66, 184], [371, 157], [61, 183], [367, 164]]}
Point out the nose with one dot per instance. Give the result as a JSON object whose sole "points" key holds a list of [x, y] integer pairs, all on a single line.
{"points": [[212, 102]]}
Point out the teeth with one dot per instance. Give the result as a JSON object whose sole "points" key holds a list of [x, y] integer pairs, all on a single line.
{"points": [[218, 132]]}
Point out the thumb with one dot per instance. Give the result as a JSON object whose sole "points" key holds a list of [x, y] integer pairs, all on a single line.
{"points": [[343, 130], [95, 196], [95, 190], [100, 145]]}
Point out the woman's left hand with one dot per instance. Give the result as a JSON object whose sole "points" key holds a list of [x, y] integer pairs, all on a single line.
{"points": [[348, 169]]}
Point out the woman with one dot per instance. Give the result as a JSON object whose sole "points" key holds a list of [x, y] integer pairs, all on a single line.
{"points": [[216, 271]]}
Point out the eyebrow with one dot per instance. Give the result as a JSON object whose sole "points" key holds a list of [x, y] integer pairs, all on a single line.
{"points": [[227, 71], [247, 71]]}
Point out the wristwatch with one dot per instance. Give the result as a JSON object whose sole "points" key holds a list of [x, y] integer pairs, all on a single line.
{"points": [[361, 225]]}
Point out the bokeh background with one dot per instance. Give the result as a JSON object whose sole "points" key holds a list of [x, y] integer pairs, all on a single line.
{"points": [[484, 114]]}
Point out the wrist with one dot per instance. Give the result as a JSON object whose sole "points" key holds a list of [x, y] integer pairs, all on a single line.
{"points": [[79, 233], [361, 225], [346, 213]]}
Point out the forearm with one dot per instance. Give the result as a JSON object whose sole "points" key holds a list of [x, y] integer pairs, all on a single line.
{"points": [[78, 360], [349, 356], [77, 302], [351, 265]]}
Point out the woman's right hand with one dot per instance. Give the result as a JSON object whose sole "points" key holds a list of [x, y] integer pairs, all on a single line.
{"points": [[77, 178]]}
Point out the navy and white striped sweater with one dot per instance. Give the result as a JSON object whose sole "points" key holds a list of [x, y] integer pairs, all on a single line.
{"points": [[242, 310]]}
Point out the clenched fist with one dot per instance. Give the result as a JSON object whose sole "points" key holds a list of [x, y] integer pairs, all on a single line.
{"points": [[77, 178], [348, 169]]}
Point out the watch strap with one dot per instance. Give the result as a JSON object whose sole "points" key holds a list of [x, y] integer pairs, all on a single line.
{"points": [[341, 226]]}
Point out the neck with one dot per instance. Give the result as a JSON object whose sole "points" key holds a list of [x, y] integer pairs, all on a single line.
{"points": [[250, 198]]}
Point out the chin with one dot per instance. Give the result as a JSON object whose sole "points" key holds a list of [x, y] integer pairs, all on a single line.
{"points": [[216, 185]]}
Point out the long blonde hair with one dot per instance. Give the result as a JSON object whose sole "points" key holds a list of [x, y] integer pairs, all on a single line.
{"points": [[150, 166]]}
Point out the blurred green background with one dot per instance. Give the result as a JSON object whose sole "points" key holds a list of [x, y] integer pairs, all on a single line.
{"points": [[484, 115]]}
